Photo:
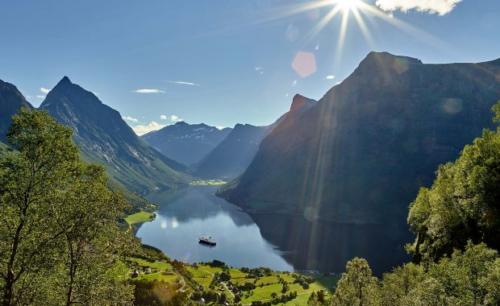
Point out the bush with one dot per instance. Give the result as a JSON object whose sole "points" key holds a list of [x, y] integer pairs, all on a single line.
{"points": [[284, 289], [248, 286], [217, 264]]}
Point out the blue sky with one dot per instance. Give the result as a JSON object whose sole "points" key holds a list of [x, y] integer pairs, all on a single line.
{"points": [[222, 62]]}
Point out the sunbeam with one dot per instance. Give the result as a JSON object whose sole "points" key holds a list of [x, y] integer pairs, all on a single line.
{"points": [[360, 11], [322, 23]]}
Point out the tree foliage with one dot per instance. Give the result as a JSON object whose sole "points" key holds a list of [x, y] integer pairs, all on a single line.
{"points": [[357, 286], [457, 280], [59, 236], [469, 277], [463, 203]]}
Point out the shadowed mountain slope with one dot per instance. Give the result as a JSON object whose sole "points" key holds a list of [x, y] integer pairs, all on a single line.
{"points": [[363, 151], [11, 101], [359, 156], [104, 138]]}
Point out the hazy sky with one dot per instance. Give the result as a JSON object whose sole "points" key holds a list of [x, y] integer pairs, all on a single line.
{"points": [[223, 61]]}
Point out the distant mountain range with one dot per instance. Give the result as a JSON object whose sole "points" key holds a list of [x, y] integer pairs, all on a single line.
{"points": [[233, 155], [209, 152], [158, 162], [186, 143], [11, 101], [103, 137], [360, 154]]}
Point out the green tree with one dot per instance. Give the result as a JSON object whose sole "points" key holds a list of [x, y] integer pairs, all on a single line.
{"points": [[89, 212], [467, 277], [357, 286], [491, 284], [463, 202], [29, 179], [398, 284], [430, 292], [462, 275], [284, 287], [496, 111], [58, 233], [317, 298]]}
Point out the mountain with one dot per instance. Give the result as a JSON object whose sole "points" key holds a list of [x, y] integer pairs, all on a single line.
{"points": [[186, 143], [233, 155], [299, 105], [104, 138], [11, 101], [355, 161]]}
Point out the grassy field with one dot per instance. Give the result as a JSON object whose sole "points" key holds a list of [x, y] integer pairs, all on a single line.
{"points": [[151, 270], [265, 286], [208, 183], [140, 217], [200, 278]]}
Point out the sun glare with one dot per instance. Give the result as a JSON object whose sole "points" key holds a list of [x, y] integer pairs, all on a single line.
{"points": [[356, 12], [347, 6]]}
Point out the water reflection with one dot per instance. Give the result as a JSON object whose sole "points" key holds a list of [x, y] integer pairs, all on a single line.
{"points": [[186, 215], [327, 246]]}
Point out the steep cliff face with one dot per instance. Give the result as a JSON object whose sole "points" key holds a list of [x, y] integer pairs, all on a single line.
{"points": [[104, 138], [361, 153], [11, 101]]}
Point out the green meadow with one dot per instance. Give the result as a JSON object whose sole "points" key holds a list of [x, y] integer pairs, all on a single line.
{"points": [[140, 217], [243, 286]]}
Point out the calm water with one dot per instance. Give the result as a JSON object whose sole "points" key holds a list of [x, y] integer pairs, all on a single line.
{"points": [[196, 211], [327, 246]]}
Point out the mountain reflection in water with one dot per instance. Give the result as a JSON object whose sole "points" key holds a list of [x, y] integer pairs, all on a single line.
{"points": [[190, 213]]}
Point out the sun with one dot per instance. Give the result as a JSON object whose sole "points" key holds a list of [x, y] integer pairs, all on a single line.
{"points": [[347, 6], [355, 12]]}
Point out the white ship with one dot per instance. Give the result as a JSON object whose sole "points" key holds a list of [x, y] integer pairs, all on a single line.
{"points": [[207, 240]]}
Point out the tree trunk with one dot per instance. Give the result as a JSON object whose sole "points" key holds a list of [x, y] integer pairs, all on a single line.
{"points": [[70, 292], [417, 257], [7, 291], [10, 280], [71, 271]]}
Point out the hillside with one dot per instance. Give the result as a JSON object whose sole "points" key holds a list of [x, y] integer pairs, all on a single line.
{"points": [[360, 155], [157, 278], [186, 143], [419, 117], [104, 138]]}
